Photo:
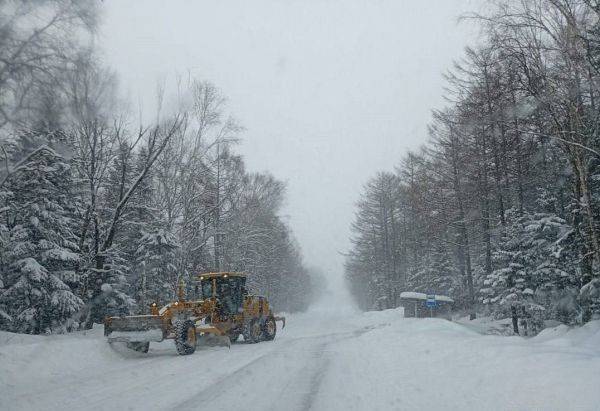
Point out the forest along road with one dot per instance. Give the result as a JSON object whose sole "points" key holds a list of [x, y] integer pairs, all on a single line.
{"points": [[320, 361]]}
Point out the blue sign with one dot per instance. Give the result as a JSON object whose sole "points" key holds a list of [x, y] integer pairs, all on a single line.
{"points": [[431, 301]]}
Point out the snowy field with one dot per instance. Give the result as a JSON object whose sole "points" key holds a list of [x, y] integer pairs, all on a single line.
{"points": [[321, 361]]}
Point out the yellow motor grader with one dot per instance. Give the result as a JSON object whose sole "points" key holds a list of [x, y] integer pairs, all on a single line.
{"points": [[223, 309]]}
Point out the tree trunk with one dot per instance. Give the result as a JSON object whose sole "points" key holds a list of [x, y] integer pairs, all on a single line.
{"points": [[463, 233], [515, 319], [587, 206]]}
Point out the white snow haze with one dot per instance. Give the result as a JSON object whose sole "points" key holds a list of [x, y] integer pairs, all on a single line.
{"points": [[436, 246], [329, 91]]}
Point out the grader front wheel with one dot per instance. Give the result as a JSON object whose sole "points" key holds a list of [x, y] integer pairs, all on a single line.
{"points": [[185, 337]]}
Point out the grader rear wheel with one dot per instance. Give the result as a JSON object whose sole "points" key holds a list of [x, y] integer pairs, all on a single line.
{"points": [[185, 337], [269, 329], [253, 331]]}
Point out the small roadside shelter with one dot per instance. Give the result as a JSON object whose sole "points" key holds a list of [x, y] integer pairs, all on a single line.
{"points": [[420, 305]]}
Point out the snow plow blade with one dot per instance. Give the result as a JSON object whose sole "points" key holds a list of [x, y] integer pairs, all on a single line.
{"points": [[214, 340], [141, 328], [282, 319], [210, 336]]}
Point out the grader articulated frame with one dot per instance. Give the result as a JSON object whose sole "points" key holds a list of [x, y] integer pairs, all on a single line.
{"points": [[224, 311]]}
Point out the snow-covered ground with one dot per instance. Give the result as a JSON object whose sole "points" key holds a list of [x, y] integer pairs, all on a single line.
{"points": [[321, 361]]}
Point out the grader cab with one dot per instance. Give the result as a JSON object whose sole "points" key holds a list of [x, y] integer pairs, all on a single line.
{"points": [[221, 311]]}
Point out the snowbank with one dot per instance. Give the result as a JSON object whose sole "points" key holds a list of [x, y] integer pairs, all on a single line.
{"points": [[422, 364], [586, 336], [321, 361], [487, 325]]}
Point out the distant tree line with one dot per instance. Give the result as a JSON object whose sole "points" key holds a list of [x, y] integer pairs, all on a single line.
{"points": [[500, 209], [101, 218]]}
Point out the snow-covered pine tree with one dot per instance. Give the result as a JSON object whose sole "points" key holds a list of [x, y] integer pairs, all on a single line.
{"points": [[534, 280], [114, 298], [43, 254], [157, 276], [506, 289], [436, 274]]}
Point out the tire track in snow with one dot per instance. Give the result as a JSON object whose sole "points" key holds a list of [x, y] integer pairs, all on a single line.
{"points": [[323, 363], [264, 375], [289, 376]]}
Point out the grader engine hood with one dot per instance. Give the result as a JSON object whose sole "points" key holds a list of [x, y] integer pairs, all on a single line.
{"points": [[139, 328]]}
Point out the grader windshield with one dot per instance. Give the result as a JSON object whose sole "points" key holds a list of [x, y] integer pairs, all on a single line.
{"points": [[228, 288]]}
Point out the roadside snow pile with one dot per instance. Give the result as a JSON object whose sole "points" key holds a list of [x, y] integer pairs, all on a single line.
{"points": [[586, 336], [82, 371], [436, 364], [553, 332], [28, 359], [7, 338], [487, 325]]}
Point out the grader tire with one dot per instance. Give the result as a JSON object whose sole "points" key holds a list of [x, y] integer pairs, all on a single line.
{"points": [[269, 329], [185, 337], [253, 331]]}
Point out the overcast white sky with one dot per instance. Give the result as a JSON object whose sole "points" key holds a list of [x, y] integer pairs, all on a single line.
{"points": [[329, 91]]}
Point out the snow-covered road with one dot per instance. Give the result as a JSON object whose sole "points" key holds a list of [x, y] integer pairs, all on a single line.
{"points": [[321, 361]]}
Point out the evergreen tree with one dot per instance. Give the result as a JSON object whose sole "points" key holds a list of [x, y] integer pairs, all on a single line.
{"points": [[114, 297], [534, 280], [157, 277], [436, 275], [43, 256]]}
